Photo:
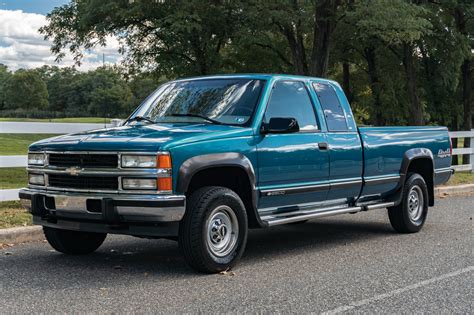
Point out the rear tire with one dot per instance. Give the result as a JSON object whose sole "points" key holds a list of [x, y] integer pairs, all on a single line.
{"points": [[410, 215], [73, 242], [213, 232]]}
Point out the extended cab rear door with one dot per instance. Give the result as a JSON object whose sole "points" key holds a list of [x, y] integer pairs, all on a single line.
{"points": [[345, 149]]}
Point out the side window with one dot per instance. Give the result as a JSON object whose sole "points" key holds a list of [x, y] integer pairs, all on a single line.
{"points": [[333, 112], [291, 99]]}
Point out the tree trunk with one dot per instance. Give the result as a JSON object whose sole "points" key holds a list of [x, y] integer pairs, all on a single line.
{"points": [[369, 54], [415, 109], [296, 44], [325, 22], [346, 81], [466, 78], [467, 99]]}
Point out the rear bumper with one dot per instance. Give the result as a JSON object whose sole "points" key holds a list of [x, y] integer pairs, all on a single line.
{"points": [[145, 215]]}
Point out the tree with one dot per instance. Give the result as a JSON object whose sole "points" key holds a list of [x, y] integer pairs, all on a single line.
{"points": [[386, 33], [306, 27], [25, 90], [4, 77], [178, 37], [463, 16]]}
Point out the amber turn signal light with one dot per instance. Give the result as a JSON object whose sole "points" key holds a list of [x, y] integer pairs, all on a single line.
{"points": [[165, 184], [164, 161]]}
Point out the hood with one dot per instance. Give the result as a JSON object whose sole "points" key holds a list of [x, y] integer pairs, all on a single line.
{"points": [[139, 137]]}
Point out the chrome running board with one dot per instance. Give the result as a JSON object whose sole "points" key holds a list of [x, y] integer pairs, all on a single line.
{"points": [[302, 215]]}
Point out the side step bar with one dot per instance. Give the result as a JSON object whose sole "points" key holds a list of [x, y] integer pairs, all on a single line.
{"points": [[290, 217]]}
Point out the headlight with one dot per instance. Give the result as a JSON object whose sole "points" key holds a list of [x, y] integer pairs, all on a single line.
{"points": [[146, 161], [36, 179], [139, 183], [36, 158]]}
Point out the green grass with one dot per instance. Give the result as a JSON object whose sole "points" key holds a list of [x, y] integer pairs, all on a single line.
{"points": [[17, 144], [13, 214], [97, 120], [461, 179], [13, 178]]}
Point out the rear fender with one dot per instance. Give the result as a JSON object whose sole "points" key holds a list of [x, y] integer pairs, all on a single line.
{"points": [[410, 156]]}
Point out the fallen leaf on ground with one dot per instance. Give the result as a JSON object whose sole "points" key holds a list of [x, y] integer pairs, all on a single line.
{"points": [[227, 273]]}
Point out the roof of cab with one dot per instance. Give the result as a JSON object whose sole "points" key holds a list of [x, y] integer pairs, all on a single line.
{"points": [[258, 76]]}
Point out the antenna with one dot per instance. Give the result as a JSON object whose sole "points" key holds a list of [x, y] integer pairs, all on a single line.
{"points": [[103, 59]]}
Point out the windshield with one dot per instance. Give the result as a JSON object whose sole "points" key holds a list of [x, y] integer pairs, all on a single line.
{"points": [[223, 101]]}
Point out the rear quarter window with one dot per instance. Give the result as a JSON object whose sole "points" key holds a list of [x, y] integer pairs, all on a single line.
{"points": [[332, 108]]}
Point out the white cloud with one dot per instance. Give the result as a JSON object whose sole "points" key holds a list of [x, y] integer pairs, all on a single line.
{"points": [[22, 46]]}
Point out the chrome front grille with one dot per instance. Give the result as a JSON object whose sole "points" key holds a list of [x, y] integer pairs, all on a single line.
{"points": [[91, 171], [83, 182], [83, 160]]}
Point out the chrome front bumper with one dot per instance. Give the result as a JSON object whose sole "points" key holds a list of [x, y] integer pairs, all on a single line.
{"points": [[111, 209]]}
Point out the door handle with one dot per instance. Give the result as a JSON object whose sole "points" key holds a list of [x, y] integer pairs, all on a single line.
{"points": [[323, 146]]}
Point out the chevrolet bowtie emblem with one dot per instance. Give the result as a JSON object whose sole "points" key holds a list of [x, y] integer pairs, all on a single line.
{"points": [[74, 171]]}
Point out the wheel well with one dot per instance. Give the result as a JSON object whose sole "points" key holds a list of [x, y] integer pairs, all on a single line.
{"points": [[424, 167], [232, 177]]}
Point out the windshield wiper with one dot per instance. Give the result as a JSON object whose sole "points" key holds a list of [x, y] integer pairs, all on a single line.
{"points": [[141, 118], [198, 116]]}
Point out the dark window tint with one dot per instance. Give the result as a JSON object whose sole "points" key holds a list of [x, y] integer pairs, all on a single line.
{"points": [[290, 99], [333, 112]]}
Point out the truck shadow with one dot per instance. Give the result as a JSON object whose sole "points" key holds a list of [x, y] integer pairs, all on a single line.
{"points": [[124, 258]]}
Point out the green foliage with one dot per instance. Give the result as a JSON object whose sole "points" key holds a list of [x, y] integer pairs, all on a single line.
{"points": [[399, 61], [26, 90]]}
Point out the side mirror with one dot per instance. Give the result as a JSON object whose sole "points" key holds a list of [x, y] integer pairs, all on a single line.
{"points": [[281, 125]]}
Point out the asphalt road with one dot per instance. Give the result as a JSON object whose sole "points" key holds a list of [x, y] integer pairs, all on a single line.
{"points": [[351, 263]]}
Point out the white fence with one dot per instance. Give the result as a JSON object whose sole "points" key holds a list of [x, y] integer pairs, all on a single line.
{"points": [[21, 160], [464, 151], [38, 128]]}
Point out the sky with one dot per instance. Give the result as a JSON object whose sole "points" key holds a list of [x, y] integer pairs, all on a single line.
{"points": [[22, 46]]}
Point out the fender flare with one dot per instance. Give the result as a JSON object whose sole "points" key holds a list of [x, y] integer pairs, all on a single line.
{"points": [[193, 165], [410, 156]]}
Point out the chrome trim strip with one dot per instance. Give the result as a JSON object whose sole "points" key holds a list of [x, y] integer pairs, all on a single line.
{"points": [[344, 184], [293, 190], [382, 180], [102, 152], [158, 172], [309, 188], [443, 170], [49, 189]]}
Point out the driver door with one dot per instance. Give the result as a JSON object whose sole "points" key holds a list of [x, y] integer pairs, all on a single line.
{"points": [[293, 168]]}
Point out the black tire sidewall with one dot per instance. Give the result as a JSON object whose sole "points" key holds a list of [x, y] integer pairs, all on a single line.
{"points": [[192, 234], [414, 180]]}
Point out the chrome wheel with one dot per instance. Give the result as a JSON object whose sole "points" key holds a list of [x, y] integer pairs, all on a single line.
{"points": [[222, 231], [415, 203]]}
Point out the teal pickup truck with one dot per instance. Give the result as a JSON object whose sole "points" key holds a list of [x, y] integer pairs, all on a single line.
{"points": [[204, 159]]}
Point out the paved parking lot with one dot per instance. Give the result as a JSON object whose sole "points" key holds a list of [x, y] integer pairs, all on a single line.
{"points": [[351, 263]]}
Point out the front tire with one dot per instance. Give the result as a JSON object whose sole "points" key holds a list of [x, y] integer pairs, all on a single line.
{"points": [[73, 242], [410, 215], [213, 232]]}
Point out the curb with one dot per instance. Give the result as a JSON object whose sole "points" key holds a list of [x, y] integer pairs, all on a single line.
{"points": [[35, 233], [21, 234], [453, 190]]}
